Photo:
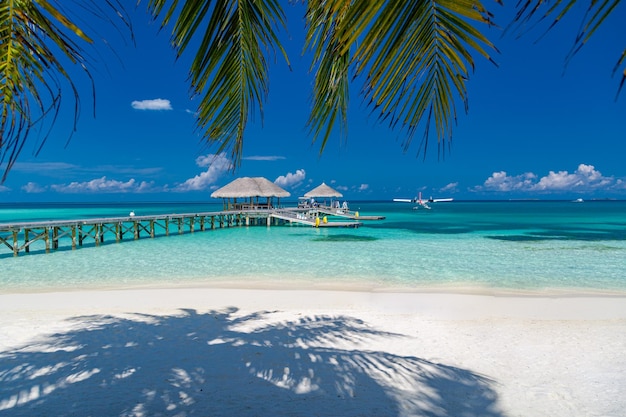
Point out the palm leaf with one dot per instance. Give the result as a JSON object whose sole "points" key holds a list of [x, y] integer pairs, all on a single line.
{"points": [[415, 57], [39, 42], [529, 14], [230, 67], [331, 62]]}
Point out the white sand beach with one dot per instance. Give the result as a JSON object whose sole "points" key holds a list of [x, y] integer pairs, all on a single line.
{"points": [[240, 352]]}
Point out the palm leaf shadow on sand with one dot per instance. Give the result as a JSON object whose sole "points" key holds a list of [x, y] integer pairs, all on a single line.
{"points": [[221, 363]]}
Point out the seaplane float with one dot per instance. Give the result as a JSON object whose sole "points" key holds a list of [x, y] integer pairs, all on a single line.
{"points": [[420, 203]]}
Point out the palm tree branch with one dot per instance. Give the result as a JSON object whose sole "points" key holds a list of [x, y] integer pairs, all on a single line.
{"points": [[230, 67], [25, 56], [39, 44], [594, 16], [325, 20], [416, 57]]}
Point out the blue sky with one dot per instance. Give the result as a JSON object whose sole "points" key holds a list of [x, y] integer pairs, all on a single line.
{"points": [[535, 129]]}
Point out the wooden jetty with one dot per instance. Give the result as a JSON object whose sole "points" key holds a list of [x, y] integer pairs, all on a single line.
{"points": [[348, 214], [21, 236]]}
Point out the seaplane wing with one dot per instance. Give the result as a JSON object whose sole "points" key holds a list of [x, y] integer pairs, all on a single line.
{"points": [[403, 200]]}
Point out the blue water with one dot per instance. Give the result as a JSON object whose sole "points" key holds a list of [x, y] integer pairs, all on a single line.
{"points": [[498, 246]]}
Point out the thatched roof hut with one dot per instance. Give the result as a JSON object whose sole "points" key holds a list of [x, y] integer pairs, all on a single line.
{"points": [[250, 189], [323, 190]]}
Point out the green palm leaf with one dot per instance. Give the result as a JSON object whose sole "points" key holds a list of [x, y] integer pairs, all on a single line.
{"points": [[230, 67], [414, 56], [331, 61], [38, 44], [530, 14]]}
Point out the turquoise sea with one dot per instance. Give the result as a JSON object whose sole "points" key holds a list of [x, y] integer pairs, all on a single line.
{"points": [[558, 246]]}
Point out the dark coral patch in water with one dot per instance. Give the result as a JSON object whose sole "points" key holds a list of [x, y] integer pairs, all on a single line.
{"points": [[581, 235], [344, 238]]}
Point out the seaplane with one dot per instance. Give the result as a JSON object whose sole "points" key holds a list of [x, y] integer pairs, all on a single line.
{"points": [[420, 202]]}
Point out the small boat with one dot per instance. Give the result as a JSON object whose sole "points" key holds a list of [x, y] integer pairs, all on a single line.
{"points": [[578, 200]]}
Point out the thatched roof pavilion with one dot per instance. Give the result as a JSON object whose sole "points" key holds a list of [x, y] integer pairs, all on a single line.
{"points": [[323, 190], [249, 189]]}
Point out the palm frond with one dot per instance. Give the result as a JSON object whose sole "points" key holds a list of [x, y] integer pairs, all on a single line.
{"points": [[331, 61], [230, 68], [533, 12], [415, 56], [39, 42]]}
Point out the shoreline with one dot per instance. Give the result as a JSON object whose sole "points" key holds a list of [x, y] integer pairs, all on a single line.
{"points": [[283, 352], [339, 285], [468, 303]]}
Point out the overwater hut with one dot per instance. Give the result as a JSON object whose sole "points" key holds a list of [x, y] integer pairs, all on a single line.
{"points": [[323, 191], [244, 194]]}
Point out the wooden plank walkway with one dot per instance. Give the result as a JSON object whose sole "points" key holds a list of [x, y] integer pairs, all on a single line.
{"points": [[349, 214], [20, 236], [302, 217]]}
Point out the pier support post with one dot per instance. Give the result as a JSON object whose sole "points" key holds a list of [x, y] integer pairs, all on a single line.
{"points": [[55, 238], [74, 237], [16, 246], [27, 246]]}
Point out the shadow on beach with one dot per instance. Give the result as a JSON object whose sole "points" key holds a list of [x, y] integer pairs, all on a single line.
{"points": [[222, 363]]}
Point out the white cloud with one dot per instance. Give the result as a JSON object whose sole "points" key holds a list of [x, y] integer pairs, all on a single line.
{"points": [[585, 178], [291, 179], [123, 169], [216, 166], [33, 188], [502, 182], [264, 158], [42, 167], [155, 104], [450, 187], [353, 188], [56, 169], [104, 185], [4, 189]]}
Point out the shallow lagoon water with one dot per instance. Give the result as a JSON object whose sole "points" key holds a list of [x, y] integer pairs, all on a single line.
{"points": [[499, 246]]}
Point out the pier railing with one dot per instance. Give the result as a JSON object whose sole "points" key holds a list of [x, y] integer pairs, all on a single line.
{"points": [[21, 236]]}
